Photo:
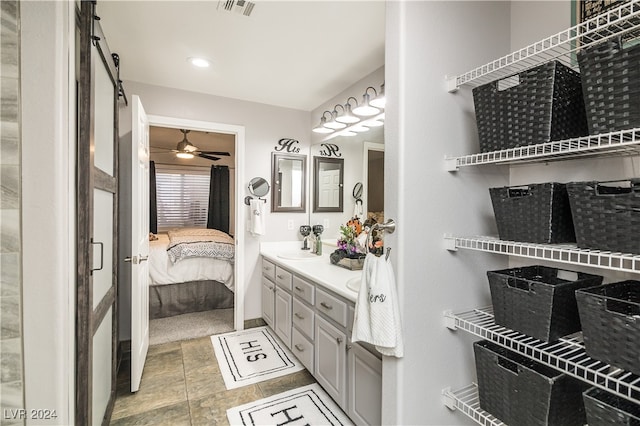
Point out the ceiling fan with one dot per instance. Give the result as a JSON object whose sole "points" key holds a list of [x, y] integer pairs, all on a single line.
{"points": [[187, 150]]}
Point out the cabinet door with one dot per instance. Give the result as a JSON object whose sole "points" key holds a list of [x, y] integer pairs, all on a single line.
{"points": [[268, 302], [282, 325], [331, 360], [365, 386]]}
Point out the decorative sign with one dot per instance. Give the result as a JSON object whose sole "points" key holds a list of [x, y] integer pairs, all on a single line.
{"points": [[330, 150], [288, 145]]}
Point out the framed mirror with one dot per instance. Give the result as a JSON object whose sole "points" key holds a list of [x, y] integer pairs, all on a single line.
{"points": [[289, 173], [328, 184]]}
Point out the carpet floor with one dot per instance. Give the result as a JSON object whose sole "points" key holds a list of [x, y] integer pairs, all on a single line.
{"points": [[190, 326]]}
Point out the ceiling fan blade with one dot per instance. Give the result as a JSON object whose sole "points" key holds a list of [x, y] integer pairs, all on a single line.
{"points": [[160, 148], [208, 157], [225, 154]]}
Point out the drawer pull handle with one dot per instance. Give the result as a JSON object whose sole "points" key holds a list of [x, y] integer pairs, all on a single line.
{"points": [[297, 315], [339, 340], [299, 347], [349, 347], [280, 276], [299, 288], [324, 305]]}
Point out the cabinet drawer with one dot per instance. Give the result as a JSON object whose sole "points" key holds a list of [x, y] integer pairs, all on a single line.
{"points": [[283, 278], [304, 290], [331, 307], [302, 349], [303, 318], [268, 269], [351, 313]]}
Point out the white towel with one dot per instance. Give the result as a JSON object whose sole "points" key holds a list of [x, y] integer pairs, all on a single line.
{"points": [[377, 317], [357, 209], [256, 207]]}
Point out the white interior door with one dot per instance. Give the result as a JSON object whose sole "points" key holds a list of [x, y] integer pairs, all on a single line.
{"points": [[139, 241], [329, 188]]}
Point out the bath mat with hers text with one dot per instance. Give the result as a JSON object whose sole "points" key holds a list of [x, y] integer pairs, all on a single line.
{"points": [[308, 405], [251, 356]]}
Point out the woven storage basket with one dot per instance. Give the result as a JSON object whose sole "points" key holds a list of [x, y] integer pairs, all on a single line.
{"points": [[610, 317], [606, 409], [537, 300], [522, 392], [537, 213], [546, 104], [611, 85], [606, 215]]}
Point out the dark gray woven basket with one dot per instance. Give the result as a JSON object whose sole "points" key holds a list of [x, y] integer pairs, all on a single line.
{"points": [[606, 215], [611, 86], [536, 301], [606, 409], [522, 392], [546, 105], [610, 317], [537, 213]]}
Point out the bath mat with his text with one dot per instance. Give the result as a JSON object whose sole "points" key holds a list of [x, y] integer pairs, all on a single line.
{"points": [[251, 356], [309, 405]]}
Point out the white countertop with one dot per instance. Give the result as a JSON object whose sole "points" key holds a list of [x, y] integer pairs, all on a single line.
{"points": [[317, 268]]}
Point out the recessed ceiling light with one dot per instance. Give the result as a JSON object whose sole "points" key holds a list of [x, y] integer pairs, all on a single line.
{"points": [[199, 62]]}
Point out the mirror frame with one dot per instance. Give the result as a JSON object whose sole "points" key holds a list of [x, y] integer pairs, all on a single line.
{"points": [[275, 183], [316, 187]]}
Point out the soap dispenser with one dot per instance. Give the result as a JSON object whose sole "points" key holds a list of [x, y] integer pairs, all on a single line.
{"points": [[317, 231]]}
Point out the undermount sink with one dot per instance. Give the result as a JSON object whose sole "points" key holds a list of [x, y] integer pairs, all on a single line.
{"points": [[354, 284], [297, 255]]}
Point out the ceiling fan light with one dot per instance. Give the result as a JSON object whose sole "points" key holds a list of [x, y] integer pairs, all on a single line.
{"points": [[185, 155], [365, 109]]}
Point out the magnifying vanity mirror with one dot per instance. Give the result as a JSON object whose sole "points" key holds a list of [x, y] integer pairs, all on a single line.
{"points": [[289, 173], [328, 184], [258, 187]]}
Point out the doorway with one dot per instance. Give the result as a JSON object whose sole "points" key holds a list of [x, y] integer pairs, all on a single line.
{"points": [[237, 211]]}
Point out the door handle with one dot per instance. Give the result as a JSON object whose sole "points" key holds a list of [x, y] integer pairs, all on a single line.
{"points": [[128, 259], [142, 258], [136, 259], [101, 256]]}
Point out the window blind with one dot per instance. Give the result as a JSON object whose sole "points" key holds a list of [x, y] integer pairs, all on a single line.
{"points": [[183, 198]]}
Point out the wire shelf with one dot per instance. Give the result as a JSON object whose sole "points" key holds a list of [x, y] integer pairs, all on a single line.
{"points": [[625, 142], [566, 355], [563, 253], [618, 21], [466, 400]]}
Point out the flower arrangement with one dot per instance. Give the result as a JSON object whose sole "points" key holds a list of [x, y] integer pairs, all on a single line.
{"points": [[348, 242]]}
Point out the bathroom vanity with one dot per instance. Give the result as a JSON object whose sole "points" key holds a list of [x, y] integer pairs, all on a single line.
{"points": [[310, 305]]}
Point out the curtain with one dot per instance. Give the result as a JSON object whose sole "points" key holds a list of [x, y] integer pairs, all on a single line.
{"points": [[153, 200], [218, 215]]}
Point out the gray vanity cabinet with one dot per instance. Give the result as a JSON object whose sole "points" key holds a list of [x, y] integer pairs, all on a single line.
{"points": [[364, 391], [316, 325], [331, 360], [268, 300]]}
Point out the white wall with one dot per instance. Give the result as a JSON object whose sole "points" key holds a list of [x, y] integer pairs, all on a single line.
{"points": [[264, 126], [48, 187], [426, 41]]}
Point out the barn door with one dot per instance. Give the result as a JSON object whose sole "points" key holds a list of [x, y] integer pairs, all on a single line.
{"points": [[97, 228]]}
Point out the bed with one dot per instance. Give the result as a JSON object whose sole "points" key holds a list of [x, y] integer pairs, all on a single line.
{"points": [[189, 272]]}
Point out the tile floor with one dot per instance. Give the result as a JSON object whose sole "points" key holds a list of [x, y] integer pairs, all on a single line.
{"points": [[182, 385]]}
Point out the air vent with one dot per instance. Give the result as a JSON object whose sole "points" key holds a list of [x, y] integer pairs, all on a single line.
{"points": [[240, 7]]}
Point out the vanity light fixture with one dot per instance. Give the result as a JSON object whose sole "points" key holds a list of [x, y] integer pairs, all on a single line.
{"points": [[199, 62], [347, 133], [322, 128], [347, 116], [359, 128], [365, 108], [379, 101], [333, 124]]}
